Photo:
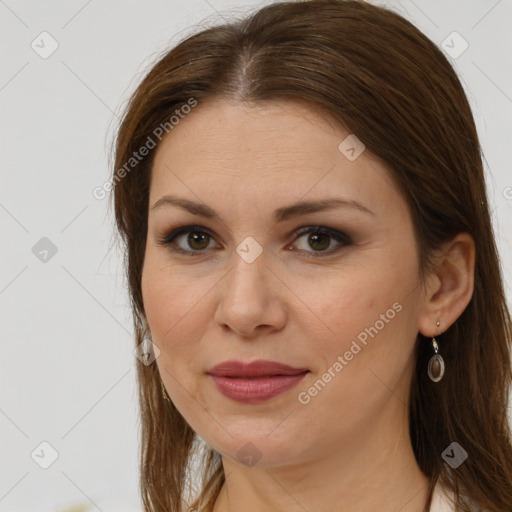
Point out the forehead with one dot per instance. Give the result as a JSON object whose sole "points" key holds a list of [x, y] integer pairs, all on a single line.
{"points": [[237, 131], [241, 154]]}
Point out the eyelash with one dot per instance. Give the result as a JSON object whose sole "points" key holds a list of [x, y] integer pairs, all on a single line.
{"points": [[338, 236]]}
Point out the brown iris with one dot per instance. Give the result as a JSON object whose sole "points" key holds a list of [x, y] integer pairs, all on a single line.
{"points": [[193, 238], [314, 238]]}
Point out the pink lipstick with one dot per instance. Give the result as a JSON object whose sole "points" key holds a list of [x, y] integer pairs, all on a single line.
{"points": [[255, 382]]}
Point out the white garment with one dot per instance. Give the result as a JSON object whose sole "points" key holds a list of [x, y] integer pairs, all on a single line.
{"points": [[441, 500]]}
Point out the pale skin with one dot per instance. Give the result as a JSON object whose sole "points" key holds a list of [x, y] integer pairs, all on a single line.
{"points": [[348, 448]]}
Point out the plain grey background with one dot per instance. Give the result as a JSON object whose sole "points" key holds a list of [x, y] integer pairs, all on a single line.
{"points": [[67, 366]]}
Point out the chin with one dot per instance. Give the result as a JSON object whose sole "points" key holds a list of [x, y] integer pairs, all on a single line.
{"points": [[259, 450]]}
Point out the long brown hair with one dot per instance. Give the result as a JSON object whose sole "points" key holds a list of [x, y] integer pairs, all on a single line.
{"points": [[378, 76]]}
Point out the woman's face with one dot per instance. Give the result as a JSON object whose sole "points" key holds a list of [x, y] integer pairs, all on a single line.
{"points": [[248, 286]]}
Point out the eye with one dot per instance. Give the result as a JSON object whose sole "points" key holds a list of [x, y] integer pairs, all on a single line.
{"points": [[198, 239], [320, 238]]}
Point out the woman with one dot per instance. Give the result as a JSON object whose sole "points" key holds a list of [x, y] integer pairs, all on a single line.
{"points": [[311, 260]]}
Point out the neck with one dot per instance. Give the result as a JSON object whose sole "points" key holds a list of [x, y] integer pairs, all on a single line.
{"points": [[375, 470]]}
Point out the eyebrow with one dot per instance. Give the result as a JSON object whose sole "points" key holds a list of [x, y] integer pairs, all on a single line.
{"points": [[279, 215]]}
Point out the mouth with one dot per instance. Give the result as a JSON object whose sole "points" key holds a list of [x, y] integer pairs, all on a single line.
{"points": [[255, 382]]}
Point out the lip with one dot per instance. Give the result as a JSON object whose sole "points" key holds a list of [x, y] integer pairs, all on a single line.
{"points": [[258, 368], [255, 382]]}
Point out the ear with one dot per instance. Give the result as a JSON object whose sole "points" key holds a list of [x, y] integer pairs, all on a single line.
{"points": [[449, 287]]}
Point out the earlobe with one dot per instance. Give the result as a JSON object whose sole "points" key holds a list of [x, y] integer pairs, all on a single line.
{"points": [[450, 286]]}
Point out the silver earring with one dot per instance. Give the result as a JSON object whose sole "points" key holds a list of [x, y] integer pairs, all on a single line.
{"points": [[436, 363]]}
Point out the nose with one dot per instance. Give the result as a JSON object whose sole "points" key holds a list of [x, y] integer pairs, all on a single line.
{"points": [[252, 300]]}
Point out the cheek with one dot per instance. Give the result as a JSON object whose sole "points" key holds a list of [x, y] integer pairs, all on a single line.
{"points": [[368, 314], [169, 295], [343, 305], [169, 305], [176, 305]]}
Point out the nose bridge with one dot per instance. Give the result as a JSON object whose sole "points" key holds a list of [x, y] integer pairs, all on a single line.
{"points": [[249, 265], [246, 298], [250, 250]]}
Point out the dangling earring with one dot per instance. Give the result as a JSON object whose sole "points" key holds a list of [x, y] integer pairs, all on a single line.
{"points": [[164, 393], [436, 363]]}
